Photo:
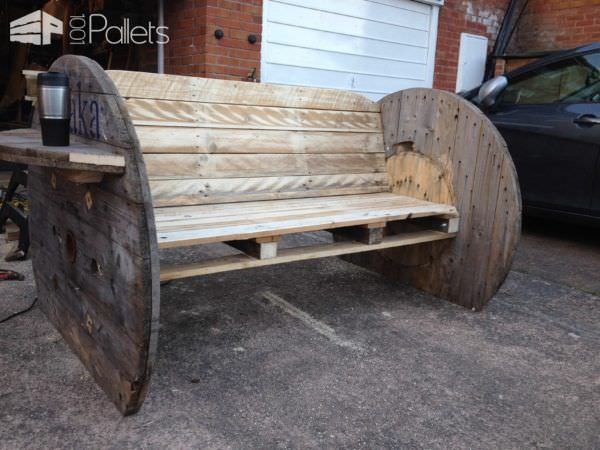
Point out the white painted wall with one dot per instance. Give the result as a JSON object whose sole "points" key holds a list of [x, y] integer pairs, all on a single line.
{"points": [[373, 47], [471, 61]]}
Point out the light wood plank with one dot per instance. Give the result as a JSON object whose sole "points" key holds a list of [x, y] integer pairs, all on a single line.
{"points": [[369, 234], [257, 249], [236, 262], [211, 115], [204, 218], [223, 211], [231, 190], [174, 87], [207, 140], [169, 166], [175, 234]]}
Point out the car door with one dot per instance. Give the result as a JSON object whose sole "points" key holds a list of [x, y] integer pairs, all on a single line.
{"points": [[550, 118]]}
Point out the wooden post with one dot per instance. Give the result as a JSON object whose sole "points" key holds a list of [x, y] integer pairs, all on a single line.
{"points": [[261, 248]]}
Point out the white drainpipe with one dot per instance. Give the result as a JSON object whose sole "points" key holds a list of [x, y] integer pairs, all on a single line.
{"points": [[161, 47]]}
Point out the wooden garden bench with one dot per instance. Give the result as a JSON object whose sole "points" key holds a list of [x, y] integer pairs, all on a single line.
{"points": [[418, 187]]}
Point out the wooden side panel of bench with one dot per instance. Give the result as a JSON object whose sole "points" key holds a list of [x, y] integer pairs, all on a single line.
{"points": [[94, 248], [443, 149], [213, 141]]}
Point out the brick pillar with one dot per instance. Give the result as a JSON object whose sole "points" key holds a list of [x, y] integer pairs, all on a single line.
{"points": [[194, 49], [186, 19]]}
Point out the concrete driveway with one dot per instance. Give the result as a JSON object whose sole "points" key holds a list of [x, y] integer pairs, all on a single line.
{"points": [[324, 354]]}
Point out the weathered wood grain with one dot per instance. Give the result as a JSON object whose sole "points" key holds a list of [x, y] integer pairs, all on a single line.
{"points": [[180, 88], [237, 262], [443, 149], [26, 147], [231, 190], [244, 163], [211, 141], [185, 166], [212, 115], [234, 141], [278, 217], [94, 247]]}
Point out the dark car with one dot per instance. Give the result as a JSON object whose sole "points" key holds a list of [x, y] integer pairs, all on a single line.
{"points": [[549, 114]]}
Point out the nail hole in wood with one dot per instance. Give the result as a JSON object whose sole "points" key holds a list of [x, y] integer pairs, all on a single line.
{"points": [[71, 248], [95, 267]]}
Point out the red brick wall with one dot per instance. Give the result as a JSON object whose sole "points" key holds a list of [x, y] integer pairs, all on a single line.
{"points": [[185, 53], [557, 25], [194, 49], [481, 17]]}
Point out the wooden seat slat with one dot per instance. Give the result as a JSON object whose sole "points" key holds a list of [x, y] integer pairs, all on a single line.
{"points": [[275, 208], [166, 214], [201, 227]]}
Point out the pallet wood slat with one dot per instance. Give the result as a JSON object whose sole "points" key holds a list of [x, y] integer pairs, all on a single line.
{"points": [[219, 116], [224, 213], [237, 262], [185, 166], [180, 88], [191, 232], [182, 140], [229, 190], [265, 248], [418, 187], [370, 234], [228, 209], [26, 148]]}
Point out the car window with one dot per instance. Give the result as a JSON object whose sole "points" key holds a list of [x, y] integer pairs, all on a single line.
{"points": [[572, 80]]}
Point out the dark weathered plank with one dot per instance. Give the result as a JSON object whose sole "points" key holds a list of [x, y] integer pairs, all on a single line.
{"points": [[27, 148], [94, 246]]}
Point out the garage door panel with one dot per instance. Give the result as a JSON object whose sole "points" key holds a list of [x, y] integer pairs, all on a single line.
{"points": [[318, 59], [324, 21], [374, 11], [373, 87], [334, 42], [373, 47], [402, 4]]}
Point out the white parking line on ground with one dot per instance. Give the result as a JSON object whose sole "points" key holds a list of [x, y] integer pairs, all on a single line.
{"points": [[318, 326]]}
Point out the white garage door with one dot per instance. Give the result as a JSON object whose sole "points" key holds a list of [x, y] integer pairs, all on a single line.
{"points": [[373, 47]]}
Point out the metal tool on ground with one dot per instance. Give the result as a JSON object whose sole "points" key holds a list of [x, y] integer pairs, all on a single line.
{"points": [[10, 275], [16, 214]]}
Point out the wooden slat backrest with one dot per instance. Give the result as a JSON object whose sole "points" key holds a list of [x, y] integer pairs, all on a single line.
{"points": [[214, 141]]}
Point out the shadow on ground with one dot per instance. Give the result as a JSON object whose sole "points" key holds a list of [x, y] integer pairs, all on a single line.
{"points": [[373, 365]]}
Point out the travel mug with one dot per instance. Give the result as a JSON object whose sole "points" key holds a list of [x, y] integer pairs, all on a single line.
{"points": [[54, 103]]}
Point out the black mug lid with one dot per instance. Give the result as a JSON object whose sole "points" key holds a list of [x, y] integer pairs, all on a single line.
{"points": [[52, 79]]}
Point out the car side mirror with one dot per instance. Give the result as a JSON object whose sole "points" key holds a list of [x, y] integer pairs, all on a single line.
{"points": [[490, 90]]}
